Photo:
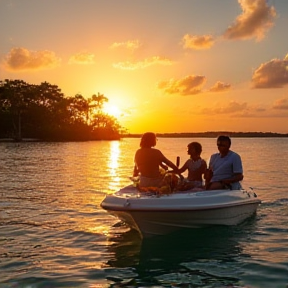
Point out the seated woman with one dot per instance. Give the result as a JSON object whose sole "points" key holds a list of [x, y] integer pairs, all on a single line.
{"points": [[196, 167], [148, 161]]}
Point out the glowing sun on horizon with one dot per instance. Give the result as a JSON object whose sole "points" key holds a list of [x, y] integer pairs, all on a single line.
{"points": [[112, 110]]}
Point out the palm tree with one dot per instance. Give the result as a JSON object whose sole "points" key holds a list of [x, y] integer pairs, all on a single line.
{"points": [[95, 105]]}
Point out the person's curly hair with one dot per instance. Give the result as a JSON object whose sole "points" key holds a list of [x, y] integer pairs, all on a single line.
{"points": [[197, 146], [148, 140]]}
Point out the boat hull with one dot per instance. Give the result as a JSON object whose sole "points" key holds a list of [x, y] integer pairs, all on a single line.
{"points": [[162, 215]]}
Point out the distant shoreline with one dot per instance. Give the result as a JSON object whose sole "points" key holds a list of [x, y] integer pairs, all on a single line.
{"points": [[213, 134]]}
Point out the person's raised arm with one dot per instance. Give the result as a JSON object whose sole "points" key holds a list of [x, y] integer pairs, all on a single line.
{"points": [[183, 168], [170, 164]]}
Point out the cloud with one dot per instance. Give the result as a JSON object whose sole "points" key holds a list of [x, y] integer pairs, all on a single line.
{"points": [[197, 42], [82, 58], [257, 18], [219, 87], [281, 104], [21, 59], [129, 65], [243, 110], [190, 85], [231, 107], [273, 74], [130, 45]]}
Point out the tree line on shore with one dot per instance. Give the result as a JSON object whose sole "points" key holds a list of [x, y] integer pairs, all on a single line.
{"points": [[43, 112], [212, 134]]}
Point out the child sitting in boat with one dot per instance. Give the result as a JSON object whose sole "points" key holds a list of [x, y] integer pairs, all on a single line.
{"points": [[196, 167], [148, 161]]}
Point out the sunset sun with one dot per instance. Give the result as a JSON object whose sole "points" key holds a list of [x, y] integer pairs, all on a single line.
{"points": [[112, 110]]}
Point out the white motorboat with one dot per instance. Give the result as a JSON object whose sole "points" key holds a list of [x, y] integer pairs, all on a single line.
{"points": [[154, 214]]}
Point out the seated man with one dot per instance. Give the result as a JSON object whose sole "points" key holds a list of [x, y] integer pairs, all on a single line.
{"points": [[226, 167]]}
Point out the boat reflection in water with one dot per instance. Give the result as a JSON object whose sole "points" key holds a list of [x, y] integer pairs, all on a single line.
{"points": [[194, 256]]}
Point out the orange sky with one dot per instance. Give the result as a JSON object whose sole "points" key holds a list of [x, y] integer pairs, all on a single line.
{"points": [[164, 65]]}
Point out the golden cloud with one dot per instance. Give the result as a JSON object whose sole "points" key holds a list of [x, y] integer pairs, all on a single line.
{"points": [[21, 59], [82, 58], [273, 74], [190, 85], [130, 45], [256, 19], [281, 104], [198, 42], [231, 107], [129, 65], [219, 87]]}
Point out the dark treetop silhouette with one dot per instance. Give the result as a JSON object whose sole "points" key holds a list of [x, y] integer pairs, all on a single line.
{"points": [[43, 112]]}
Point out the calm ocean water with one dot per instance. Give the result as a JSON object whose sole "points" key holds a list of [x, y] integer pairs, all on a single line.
{"points": [[53, 232]]}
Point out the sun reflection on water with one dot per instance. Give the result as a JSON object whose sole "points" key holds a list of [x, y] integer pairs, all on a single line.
{"points": [[114, 156], [113, 165]]}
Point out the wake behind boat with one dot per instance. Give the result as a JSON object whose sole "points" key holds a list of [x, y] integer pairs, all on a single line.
{"points": [[154, 214]]}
